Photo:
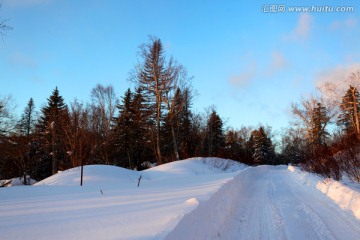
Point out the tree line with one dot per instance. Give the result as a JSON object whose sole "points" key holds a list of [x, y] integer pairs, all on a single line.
{"points": [[153, 122]]}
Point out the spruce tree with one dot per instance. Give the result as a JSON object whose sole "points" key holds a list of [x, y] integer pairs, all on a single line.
{"points": [[27, 143], [186, 131], [124, 128], [27, 122], [263, 148], [54, 119], [232, 145], [131, 130], [214, 139]]}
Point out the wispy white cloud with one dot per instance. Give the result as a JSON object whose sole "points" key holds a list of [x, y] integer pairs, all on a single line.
{"points": [[278, 62], [243, 79], [302, 29], [334, 81], [349, 23]]}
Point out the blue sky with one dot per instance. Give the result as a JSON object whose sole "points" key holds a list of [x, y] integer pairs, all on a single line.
{"points": [[248, 63]]}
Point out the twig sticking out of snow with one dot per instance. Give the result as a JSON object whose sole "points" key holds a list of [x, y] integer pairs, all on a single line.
{"points": [[139, 180]]}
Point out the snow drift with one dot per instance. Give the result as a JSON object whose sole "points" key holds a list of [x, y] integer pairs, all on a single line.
{"points": [[343, 194]]}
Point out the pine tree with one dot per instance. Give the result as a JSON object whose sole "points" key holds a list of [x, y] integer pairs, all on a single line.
{"points": [[214, 139], [186, 131], [131, 130], [350, 111], [54, 119], [142, 128], [232, 145], [124, 127], [27, 122], [263, 148], [26, 126]]}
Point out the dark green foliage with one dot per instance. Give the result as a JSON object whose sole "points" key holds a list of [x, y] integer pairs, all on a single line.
{"points": [[50, 130], [27, 121], [263, 150], [214, 136], [131, 131]]}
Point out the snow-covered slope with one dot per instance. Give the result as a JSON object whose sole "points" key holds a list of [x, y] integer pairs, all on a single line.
{"points": [[110, 205], [104, 175]]}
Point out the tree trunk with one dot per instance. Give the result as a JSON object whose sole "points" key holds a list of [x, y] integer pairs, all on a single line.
{"points": [[356, 115], [176, 150], [158, 150]]}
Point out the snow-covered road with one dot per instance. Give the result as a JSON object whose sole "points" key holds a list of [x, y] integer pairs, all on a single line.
{"points": [[267, 203], [190, 199]]}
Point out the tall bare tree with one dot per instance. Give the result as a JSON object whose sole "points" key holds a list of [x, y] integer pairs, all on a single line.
{"points": [[4, 26], [104, 103]]}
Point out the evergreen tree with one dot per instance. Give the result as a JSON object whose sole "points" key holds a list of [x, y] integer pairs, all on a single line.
{"points": [[233, 145], [142, 128], [124, 128], [214, 138], [27, 122], [263, 149], [26, 126], [186, 131], [350, 111], [131, 133], [54, 119]]}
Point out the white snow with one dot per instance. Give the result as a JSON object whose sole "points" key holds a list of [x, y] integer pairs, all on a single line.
{"points": [[110, 205], [192, 199], [266, 202], [345, 194], [19, 181]]}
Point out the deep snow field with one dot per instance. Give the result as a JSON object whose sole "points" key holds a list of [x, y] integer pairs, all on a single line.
{"points": [[199, 198], [109, 205]]}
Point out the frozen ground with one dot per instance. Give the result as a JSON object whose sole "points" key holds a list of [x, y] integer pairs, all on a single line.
{"points": [[191, 199]]}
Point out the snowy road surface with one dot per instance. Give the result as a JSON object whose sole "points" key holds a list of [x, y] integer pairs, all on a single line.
{"points": [[267, 203], [190, 199]]}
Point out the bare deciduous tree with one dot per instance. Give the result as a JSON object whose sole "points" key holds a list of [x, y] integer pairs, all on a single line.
{"points": [[104, 103], [4, 26], [306, 116]]}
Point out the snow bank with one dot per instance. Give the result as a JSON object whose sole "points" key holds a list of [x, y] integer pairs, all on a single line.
{"points": [[211, 217], [93, 175], [345, 196], [194, 167], [100, 175]]}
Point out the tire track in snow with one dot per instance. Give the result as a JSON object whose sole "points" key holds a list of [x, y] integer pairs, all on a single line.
{"points": [[265, 202]]}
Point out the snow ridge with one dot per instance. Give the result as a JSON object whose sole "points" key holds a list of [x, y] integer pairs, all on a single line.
{"points": [[344, 196]]}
